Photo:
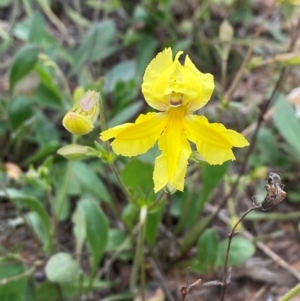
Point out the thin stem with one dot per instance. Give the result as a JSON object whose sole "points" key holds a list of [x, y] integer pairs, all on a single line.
{"points": [[121, 183], [102, 121], [111, 164], [292, 293], [159, 197], [63, 191], [26, 274], [59, 291], [230, 237], [56, 21], [142, 265], [80, 287], [139, 256], [54, 217], [224, 73]]}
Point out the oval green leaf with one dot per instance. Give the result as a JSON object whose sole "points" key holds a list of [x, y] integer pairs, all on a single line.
{"points": [[23, 62], [241, 249], [62, 268], [96, 226]]}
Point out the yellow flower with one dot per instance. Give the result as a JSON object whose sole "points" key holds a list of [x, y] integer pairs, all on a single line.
{"points": [[80, 120], [292, 2], [177, 91]]}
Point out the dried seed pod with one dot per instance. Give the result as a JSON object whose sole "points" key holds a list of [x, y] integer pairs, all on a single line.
{"points": [[274, 196]]}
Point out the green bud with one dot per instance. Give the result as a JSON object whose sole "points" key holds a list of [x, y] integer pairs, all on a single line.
{"points": [[74, 151], [225, 32]]}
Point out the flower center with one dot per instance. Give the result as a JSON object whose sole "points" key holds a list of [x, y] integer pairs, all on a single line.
{"points": [[175, 99]]}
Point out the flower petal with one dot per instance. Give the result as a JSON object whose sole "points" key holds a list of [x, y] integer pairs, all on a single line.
{"points": [[132, 139], [171, 165], [156, 78], [196, 81], [213, 141]]}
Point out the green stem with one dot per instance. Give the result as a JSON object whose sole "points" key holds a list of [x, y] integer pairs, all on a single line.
{"points": [[292, 293], [80, 286], [121, 183], [63, 191], [139, 256], [54, 217]]}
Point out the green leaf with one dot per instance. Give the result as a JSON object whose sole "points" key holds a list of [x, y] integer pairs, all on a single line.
{"points": [[115, 239], [48, 93], [62, 268], [76, 17], [14, 290], [90, 181], [23, 62], [36, 224], [36, 206], [96, 44], [135, 179], [268, 146], [124, 72], [96, 229], [125, 114], [46, 132], [44, 151], [48, 96], [130, 215], [191, 236], [4, 3], [79, 230], [287, 123], [212, 175], [145, 52], [241, 249], [152, 225], [37, 28], [19, 110], [207, 248]]}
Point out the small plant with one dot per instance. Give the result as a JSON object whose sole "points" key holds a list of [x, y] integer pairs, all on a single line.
{"points": [[118, 172]]}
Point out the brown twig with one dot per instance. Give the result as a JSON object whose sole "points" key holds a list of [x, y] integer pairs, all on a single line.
{"points": [[162, 278], [184, 290]]}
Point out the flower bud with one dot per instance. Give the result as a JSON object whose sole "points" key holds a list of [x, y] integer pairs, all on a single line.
{"points": [[225, 32], [80, 120], [73, 151]]}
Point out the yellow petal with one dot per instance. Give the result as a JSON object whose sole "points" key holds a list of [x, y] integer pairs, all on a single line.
{"points": [[213, 141], [156, 78], [198, 82], [171, 165], [132, 139], [77, 124]]}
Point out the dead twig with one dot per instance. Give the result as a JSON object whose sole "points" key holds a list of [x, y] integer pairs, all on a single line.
{"points": [[184, 290]]}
